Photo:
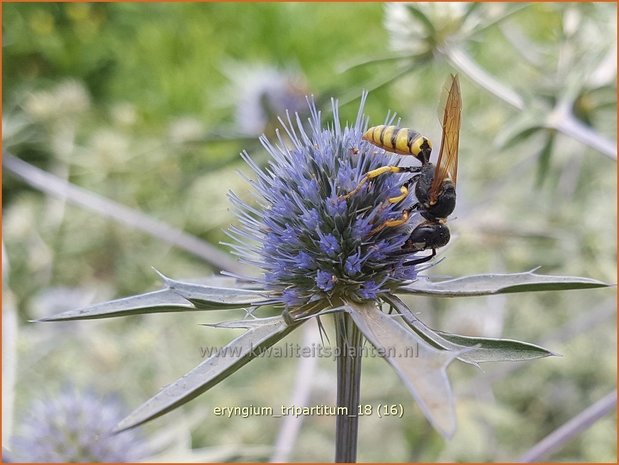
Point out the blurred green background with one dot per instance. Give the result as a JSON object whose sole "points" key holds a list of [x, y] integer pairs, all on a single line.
{"points": [[150, 105]]}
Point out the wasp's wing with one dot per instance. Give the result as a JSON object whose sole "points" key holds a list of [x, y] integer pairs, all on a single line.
{"points": [[447, 164]]}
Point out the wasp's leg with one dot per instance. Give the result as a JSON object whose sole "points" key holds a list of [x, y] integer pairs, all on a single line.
{"points": [[393, 223], [400, 221], [417, 261], [371, 175], [404, 190], [380, 171]]}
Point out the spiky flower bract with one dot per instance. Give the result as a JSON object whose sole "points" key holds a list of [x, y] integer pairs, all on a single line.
{"points": [[75, 426], [314, 245]]}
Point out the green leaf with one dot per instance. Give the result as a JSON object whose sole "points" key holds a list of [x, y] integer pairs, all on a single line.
{"points": [[420, 366], [263, 334], [178, 297], [238, 324], [480, 349], [211, 297], [487, 284], [497, 350], [411, 320], [165, 300]]}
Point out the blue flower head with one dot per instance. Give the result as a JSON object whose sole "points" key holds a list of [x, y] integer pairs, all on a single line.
{"points": [[76, 426], [311, 242]]}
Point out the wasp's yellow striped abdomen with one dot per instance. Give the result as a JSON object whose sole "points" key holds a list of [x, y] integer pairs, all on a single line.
{"points": [[404, 141]]}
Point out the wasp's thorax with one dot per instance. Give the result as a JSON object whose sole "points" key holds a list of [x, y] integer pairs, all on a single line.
{"points": [[445, 202]]}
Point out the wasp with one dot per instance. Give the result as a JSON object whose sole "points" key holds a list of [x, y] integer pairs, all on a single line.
{"points": [[435, 185]]}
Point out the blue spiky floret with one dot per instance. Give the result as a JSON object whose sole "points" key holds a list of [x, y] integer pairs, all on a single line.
{"points": [[311, 243]]}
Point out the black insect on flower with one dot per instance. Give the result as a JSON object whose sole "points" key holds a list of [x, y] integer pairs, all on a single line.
{"points": [[315, 246]]}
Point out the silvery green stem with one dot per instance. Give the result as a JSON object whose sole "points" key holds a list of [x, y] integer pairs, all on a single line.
{"points": [[349, 344], [562, 435]]}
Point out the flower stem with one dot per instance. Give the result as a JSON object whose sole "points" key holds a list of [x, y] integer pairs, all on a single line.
{"points": [[349, 342]]}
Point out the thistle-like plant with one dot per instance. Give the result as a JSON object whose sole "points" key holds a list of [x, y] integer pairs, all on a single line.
{"points": [[320, 258], [75, 426]]}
